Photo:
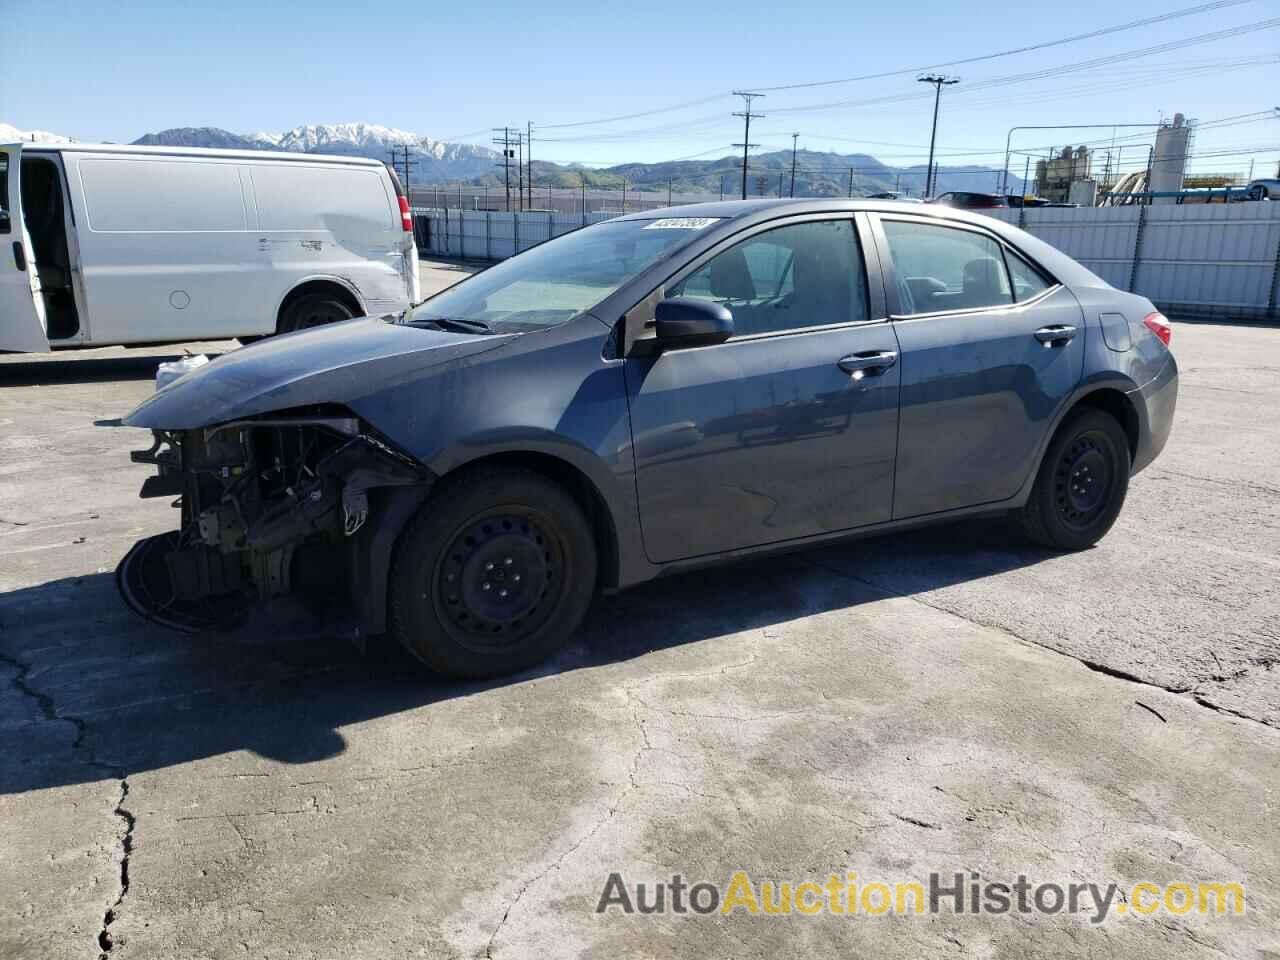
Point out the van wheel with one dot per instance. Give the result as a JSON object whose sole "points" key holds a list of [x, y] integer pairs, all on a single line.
{"points": [[493, 575], [1081, 485], [313, 310]]}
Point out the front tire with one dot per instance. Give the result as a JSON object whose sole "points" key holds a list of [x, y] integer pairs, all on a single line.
{"points": [[493, 575], [1081, 485]]}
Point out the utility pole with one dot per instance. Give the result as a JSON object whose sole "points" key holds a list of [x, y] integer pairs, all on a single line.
{"points": [[520, 168], [529, 158], [507, 153], [795, 138], [408, 164], [722, 186], [668, 191], [939, 81], [746, 143], [624, 194], [851, 182]]}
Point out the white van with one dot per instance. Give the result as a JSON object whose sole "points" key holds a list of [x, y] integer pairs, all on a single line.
{"points": [[119, 245]]}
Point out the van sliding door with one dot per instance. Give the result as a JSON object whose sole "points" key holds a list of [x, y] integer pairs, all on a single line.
{"points": [[22, 320]]}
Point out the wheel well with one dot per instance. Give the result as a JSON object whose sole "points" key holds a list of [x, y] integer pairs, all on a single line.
{"points": [[327, 287], [1121, 409], [583, 491]]}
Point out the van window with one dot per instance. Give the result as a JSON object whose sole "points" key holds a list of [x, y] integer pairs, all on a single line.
{"points": [[4, 193], [295, 196], [145, 195]]}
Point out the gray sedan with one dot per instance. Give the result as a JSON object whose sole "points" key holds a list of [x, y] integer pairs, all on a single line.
{"points": [[643, 396]]}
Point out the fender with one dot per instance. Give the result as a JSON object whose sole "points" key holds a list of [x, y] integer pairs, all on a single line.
{"points": [[1094, 383], [612, 486], [343, 282]]}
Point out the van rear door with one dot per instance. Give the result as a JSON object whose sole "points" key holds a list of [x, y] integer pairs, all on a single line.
{"points": [[22, 320]]}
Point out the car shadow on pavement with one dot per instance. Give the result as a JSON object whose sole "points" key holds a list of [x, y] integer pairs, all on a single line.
{"points": [[93, 689], [37, 373]]}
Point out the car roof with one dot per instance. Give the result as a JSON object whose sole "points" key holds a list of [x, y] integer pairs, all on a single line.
{"points": [[763, 209], [162, 151]]}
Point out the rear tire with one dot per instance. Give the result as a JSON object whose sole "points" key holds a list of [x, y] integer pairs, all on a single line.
{"points": [[493, 575], [1081, 485], [313, 310]]}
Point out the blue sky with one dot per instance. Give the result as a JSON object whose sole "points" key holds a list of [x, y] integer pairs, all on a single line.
{"points": [[115, 71]]}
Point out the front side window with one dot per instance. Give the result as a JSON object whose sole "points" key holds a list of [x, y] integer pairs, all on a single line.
{"points": [[788, 278], [941, 268]]}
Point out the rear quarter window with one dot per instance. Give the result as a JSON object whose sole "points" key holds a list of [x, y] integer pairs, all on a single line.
{"points": [[145, 195], [340, 200]]}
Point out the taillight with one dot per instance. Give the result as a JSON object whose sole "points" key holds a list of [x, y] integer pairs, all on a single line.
{"points": [[1159, 324], [406, 218]]}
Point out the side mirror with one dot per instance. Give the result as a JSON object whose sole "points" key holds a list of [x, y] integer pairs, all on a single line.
{"points": [[691, 322]]}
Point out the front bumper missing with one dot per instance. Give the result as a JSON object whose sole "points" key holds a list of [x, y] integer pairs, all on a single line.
{"points": [[148, 587], [270, 507]]}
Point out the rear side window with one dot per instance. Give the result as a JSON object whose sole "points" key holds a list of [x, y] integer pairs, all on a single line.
{"points": [[1027, 281], [788, 278], [342, 200], [942, 268], [136, 195]]}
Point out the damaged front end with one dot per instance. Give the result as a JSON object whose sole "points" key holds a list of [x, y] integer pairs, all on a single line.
{"points": [[305, 502]]}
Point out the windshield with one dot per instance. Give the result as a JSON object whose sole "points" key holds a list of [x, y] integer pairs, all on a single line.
{"points": [[559, 279]]}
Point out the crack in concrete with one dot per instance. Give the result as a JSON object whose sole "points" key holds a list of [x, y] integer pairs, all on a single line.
{"points": [[926, 824], [1192, 691], [49, 712]]}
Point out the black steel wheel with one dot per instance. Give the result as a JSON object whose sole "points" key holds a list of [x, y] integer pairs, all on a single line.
{"points": [[313, 310], [494, 574], [1082, 482]]}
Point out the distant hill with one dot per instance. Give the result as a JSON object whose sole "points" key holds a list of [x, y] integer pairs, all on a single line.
{"points": [[818, 174], [436, 161]]}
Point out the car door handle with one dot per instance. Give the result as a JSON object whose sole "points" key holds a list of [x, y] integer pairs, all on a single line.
{"points": [[1058, 333], [872, 363]]}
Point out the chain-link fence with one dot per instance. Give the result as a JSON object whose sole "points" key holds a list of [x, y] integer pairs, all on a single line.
{"points": [[541, 199]]}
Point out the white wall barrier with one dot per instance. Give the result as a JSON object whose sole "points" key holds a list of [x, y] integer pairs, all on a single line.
{"points": [[1191, 260]]}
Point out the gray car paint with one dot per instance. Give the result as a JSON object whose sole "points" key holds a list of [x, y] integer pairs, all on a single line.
{"points": [[451, 399]]}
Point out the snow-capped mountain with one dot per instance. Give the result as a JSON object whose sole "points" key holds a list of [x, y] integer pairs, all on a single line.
{"points": [[11, 134], [434, 160]]}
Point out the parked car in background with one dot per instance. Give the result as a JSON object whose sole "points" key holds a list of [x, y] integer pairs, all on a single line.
{"points": [[118, 245], [893, 195], [653, 393], [1265, 189], [969, 200]]}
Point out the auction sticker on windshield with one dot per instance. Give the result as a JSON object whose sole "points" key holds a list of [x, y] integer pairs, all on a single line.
{"points": [[681, 223]]}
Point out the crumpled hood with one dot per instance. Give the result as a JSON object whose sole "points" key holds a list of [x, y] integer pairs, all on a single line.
{"points": [[339, 363]]}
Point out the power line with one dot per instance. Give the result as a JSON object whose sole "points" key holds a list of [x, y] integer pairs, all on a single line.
{"points": [[903, 71], [1053, 71], [1092, 34]]}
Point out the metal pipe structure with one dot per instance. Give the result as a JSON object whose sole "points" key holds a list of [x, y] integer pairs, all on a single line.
{"points": [[1008, 140]]}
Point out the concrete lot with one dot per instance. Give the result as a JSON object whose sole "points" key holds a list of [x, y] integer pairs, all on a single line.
{"points": [[942, 701]]}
